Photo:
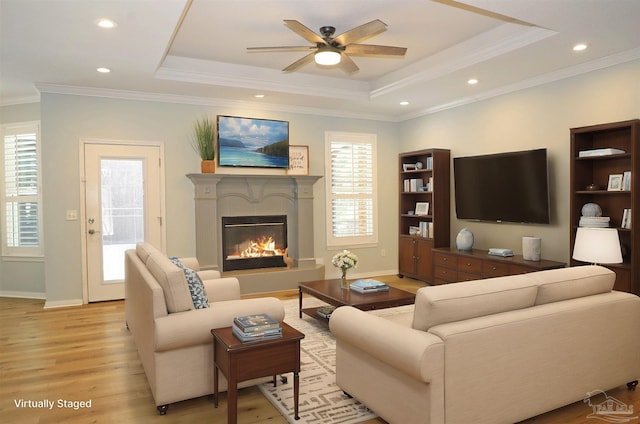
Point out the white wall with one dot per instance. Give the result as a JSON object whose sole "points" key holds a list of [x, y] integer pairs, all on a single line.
{"points": [[529, 119], [66, 119]]}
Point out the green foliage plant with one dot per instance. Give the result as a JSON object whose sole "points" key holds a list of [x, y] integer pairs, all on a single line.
{"points": [[203, 138]]}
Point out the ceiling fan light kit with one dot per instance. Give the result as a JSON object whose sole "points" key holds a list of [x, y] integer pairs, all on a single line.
{"points": [[328, 50], [327, 57]]}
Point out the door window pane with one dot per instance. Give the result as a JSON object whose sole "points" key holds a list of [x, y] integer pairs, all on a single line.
{"points": [[122, 188]]}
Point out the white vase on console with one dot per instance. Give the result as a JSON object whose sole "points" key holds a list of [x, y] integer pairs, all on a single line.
{"points": [[464, 240]]}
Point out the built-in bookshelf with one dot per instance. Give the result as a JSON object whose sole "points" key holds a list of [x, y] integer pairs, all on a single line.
{"points": [[605, 161], [424, 210]]}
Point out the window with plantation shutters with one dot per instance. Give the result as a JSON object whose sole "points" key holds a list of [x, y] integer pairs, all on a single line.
{"points": [[22, 197], [351, 189]]}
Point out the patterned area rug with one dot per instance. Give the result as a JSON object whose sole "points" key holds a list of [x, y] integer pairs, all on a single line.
{"points": [[321, 400]]}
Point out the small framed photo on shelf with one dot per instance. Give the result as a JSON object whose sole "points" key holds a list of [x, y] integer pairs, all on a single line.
{"points": [[408, 167], [298, 160], [615, 182], [422, 208]]}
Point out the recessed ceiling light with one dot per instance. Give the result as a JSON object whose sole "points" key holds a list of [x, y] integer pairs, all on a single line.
{"points": [[258, 96], [579, 47], [106, 23], [404, 103], [103, 70], [472, 81]]}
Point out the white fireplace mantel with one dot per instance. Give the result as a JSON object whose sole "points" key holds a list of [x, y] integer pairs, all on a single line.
{"points": [[218, 195]]}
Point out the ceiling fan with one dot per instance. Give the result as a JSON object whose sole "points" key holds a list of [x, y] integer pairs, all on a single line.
{"points": [[329, 50]]}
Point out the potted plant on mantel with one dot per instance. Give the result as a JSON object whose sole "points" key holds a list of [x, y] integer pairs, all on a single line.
{"points": [[204, 142]]}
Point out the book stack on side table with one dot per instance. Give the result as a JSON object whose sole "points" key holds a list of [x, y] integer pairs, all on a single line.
{"points": [[254, 328], [368, 286]]}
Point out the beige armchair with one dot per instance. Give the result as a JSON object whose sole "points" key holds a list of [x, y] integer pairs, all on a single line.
{"points": [[173, 338]]}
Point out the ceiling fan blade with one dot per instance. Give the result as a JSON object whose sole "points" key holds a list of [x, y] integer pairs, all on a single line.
{"points": [[304, 32], [347, 65], [361, 33], [299, 63], [281, 49], [373, 50]]}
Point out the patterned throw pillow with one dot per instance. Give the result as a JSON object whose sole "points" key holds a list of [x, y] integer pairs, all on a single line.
{"points": [[196, 287]]}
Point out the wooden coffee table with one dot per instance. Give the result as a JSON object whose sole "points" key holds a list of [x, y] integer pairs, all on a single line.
{"points": [[245, 361], [329, 291]]}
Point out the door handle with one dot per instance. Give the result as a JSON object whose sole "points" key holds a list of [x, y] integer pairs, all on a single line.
{"points": [[92, 231]]}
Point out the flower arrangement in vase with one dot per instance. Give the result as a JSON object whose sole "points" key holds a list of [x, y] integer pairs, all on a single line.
{"points": [[344, 260]]}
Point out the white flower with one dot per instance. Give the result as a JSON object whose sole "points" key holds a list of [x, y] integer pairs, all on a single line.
{"points": [[345, 260]]}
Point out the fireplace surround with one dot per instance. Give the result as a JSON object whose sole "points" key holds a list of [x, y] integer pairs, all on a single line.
{"points": [[229, 195]]}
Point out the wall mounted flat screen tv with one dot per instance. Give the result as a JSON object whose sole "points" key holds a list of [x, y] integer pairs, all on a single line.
{"points": [[249, 142], [505, 187]]}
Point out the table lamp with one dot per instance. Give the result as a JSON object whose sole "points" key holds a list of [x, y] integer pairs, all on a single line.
{"points": [[597, 246]]}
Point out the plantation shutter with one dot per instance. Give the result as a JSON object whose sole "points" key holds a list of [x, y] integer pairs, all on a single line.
{"points": [[351, 183], [21, 200]]}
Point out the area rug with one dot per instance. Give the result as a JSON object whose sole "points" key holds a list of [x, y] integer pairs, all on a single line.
{"points": [[320, 401]]}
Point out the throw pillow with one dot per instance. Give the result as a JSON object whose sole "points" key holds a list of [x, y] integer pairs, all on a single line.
{"points": [[196, 287], [172, 281]]}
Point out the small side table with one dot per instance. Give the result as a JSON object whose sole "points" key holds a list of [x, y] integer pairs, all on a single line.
{"points": [[245, 361]]}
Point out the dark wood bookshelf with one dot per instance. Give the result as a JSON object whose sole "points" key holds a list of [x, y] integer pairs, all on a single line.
{"points": [[415, 257], [585, 171]]}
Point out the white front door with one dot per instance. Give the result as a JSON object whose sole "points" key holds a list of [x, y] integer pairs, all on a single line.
{"points": [[122, 206]]}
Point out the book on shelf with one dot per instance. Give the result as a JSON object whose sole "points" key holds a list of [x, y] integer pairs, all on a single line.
{"points": [[412, 185], [626, 181], [594, 221], [424, 229], [255, 323], [429, 162], [626, 219], [599, 152]]}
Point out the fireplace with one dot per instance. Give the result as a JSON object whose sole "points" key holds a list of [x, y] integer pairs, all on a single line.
{"points": [[250, 242]]}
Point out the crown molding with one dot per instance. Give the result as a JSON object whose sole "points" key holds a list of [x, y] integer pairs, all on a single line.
{"points": [[204, 101], [231, 75], [20, 100], [612, 60], [573, 71], [501, 40]]}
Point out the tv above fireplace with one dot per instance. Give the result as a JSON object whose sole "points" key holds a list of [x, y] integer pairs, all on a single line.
{"points": [[503, 187], [250, 142]]}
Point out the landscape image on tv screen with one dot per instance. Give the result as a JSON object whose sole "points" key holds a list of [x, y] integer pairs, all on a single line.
{"points": [[252, 142]]}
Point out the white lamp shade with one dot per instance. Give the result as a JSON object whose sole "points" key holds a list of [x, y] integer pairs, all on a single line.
{"points": [[327, 57], [597, 246]]}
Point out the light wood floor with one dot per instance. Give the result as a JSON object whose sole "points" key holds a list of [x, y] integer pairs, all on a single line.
{"points": [[85, 353]]}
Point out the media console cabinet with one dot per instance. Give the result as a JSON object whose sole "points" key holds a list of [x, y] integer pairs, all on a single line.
{"points": [[452, 265]]}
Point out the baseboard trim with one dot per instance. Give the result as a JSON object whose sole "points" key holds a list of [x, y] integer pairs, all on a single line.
{"points": [[50, 304], [23, 295]]}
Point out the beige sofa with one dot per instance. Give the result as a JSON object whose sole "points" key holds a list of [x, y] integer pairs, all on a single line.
{"points": [[491, 351], [173, 339]]}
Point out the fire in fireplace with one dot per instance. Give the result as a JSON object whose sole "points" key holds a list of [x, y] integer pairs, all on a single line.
{"points": [[251, 242]]}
